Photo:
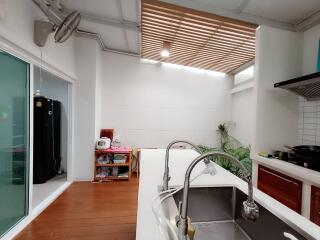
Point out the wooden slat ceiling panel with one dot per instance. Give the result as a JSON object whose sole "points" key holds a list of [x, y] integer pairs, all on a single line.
{"points": [[198, 39]]}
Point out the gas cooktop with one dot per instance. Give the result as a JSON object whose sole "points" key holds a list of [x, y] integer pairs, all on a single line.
{"points": [[300, 161]]}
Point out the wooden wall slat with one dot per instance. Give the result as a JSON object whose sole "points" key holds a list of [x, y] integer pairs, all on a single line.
{"points": [[195, 13], [191, 48], [198, 39], [201, 28], [190, 34], [187, 41]]}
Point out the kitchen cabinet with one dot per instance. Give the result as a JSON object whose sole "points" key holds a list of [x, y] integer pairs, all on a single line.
{"points": [[285, 189], [315, 205]]}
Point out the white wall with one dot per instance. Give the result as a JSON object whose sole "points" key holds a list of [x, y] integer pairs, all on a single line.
{"points": [[16, 25], [85, 108], [278, 58], [150, 105], [242, 116], [98, 99], [242, 106]]}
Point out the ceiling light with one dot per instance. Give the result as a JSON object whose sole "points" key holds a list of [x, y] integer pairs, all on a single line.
{"points": [[165, 51]]}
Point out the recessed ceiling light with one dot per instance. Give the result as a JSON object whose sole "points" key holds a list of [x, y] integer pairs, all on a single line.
{"points": [[165, 51]]}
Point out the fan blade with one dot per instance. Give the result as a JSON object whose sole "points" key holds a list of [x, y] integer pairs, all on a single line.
{"points": [[67, 27]]}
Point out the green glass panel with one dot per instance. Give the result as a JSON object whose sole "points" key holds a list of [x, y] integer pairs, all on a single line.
{"points": [[14, 134]]}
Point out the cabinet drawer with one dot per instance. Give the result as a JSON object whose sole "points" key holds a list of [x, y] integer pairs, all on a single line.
{"points": [[283, 188], [315, 205]]}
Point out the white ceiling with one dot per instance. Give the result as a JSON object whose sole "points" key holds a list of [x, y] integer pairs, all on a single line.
{"points": [[278, 13], [286, 11], [114, 37], [104, 8]]}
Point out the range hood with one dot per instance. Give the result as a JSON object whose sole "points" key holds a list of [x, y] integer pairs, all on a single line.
{"points": [[306, 86]]}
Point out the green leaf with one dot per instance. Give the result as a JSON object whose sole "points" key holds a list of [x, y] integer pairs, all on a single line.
{"points": [[232, 146]]}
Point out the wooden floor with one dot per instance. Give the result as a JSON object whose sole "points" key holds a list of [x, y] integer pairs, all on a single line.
{"points": [[89, 211]]}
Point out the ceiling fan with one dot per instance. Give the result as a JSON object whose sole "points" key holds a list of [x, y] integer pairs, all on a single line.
{"points": [[62, 21]]}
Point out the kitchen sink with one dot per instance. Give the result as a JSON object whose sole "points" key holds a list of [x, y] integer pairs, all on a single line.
{"points": [[215, 213]]}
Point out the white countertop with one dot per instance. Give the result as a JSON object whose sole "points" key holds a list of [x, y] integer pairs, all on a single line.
{"points": [[152, 166], [303, 174]]}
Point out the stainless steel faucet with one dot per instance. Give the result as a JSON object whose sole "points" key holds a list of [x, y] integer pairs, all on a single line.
{"points": [[166, 176], [250, 210]]}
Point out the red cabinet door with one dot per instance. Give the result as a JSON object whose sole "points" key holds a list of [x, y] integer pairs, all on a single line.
{"points": [[285, 189], [315, 205]]}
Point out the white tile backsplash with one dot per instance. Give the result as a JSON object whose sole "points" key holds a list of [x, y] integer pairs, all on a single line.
{"points": [[310, 126], [307, 132], [309, 122], [310, 115], [309, 109]]}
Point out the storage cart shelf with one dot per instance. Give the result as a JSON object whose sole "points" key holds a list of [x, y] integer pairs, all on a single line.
{"points": [[112, 164]]}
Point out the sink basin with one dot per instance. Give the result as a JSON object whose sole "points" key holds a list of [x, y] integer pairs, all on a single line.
{"points": [[215, 213]]}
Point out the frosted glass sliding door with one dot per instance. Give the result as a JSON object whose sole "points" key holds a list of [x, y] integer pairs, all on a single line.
{"points": [[14, 135]]}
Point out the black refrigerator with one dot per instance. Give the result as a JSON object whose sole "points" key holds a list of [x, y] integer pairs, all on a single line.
{"points": [[47, 139]]}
